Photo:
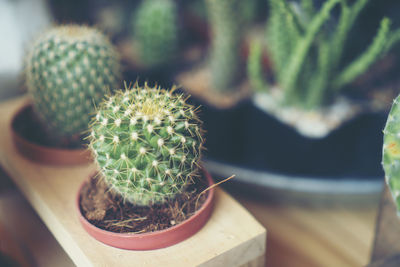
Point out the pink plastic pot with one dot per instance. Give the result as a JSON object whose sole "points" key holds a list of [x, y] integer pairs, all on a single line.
{"points": [[153, 240], [44, 154]]}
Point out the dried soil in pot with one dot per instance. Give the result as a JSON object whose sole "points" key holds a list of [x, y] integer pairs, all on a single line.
{"points": [[110, 212]]}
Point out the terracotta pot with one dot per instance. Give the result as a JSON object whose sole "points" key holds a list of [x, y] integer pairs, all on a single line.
{"points": [[152, 240], [41, 153]]}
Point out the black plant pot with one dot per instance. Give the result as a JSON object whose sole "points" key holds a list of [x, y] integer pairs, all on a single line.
{"points": [[352, 150], [271, 158], [224, 131]]}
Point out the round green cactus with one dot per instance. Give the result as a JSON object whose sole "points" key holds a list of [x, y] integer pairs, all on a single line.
{"points": [[68, 70], [156, 32], [391, 151], [147, 142]]}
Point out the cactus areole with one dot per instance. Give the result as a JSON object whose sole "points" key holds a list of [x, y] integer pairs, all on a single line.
{"points": [[69, 69], [147, 142], [391, 152]]}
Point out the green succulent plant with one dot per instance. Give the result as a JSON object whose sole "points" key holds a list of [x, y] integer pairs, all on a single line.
{"points": [[147, 142], [225, 18], [391, 152], [306, 45], [155, 29], [69, 69]]}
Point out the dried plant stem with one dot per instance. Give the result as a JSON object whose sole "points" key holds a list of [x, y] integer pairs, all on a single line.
{"points": [[212, 186]]}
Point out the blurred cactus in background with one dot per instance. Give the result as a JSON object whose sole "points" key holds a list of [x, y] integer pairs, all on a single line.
{"points": [[155, 28], [147, 142], [306, 47], [225, 18], [68, 70], [248, 10]]}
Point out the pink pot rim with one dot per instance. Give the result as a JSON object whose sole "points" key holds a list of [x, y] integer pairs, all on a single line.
{"points": [[46, 154], [157, 239]]}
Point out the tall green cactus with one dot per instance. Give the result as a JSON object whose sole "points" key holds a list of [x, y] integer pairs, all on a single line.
{"points": [[68, 70], [155, 28], [307, 53], [147, 142], [225, 18], [391, 151]]}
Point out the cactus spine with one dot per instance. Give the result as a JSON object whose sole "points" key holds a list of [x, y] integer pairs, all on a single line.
{"points": [[147, 142], [391, 152], [307, 54], [68, 69], [155, 28], [225, 19]]}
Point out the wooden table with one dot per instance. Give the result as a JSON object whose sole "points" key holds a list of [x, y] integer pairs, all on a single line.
{"points": [[298, 235], [386, 246], [315, 235]]}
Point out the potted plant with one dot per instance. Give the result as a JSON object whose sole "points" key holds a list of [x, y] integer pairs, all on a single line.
{"points": [[151, 191], [307, 57], [151, 51], [218, 80], [68, 70], [155, 32], [324, 131]]}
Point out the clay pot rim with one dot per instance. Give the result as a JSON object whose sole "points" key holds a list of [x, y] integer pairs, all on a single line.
{"points": [[46, 154], [137, 237]]}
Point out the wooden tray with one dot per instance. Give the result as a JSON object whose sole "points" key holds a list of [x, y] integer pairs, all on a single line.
{"points": [[232, 237]]}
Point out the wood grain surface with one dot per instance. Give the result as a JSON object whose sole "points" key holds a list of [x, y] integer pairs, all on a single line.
{"points": [[231, 237], [291, 241], [386, 247], [299, 235], [330, 235], [387, 241], [36, 244]]}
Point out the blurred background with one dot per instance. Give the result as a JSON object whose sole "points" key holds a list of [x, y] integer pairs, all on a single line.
{"points": [[224, 56]]}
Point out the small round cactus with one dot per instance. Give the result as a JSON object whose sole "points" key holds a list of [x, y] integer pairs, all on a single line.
{"points": [[69, 69], [147, 142], [391, 151], [155, 27]]}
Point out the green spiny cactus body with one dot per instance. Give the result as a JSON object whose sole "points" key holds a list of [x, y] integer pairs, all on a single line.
{"points": [[156, 32], [225, 19], [68, 69], [147, 143], [391, 151], [306, 47]]}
